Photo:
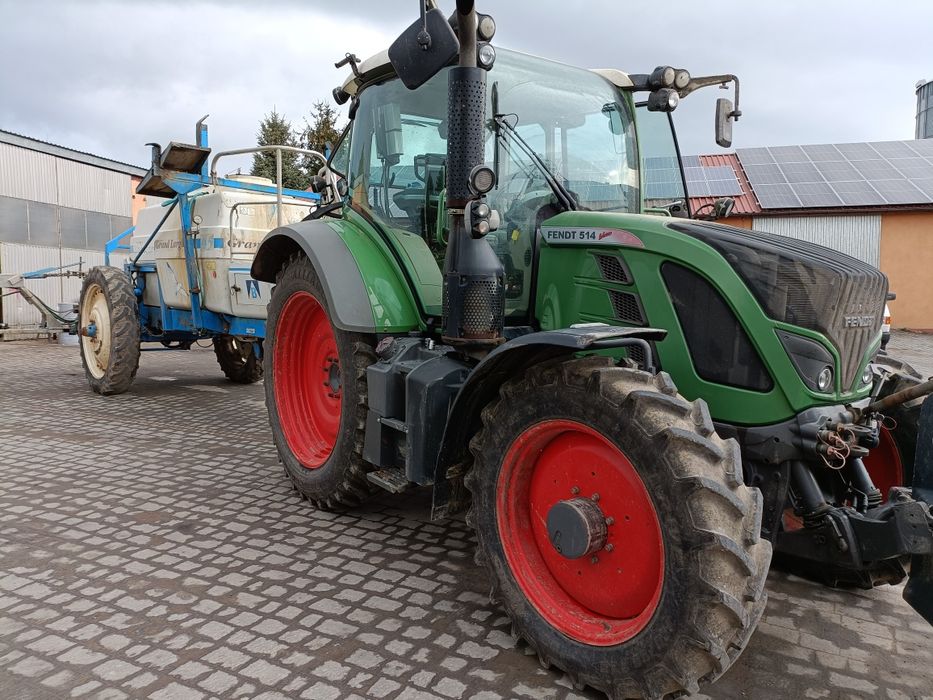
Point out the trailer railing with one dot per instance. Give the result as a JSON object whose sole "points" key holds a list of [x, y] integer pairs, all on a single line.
{"points": [[278, 150]]}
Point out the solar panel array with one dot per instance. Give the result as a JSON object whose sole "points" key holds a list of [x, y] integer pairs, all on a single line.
{"points": [[662, 179], [844, 174]]}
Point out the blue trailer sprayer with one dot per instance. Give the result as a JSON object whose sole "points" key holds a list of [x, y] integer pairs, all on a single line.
{"points": [[187, 274]]}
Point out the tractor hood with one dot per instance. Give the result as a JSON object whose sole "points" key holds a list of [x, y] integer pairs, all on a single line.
{"points": [[805, 285]]}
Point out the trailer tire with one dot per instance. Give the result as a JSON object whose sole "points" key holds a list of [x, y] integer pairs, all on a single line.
{"points": [[111, 356], [238, 359], [672, 606], [316, 396]]}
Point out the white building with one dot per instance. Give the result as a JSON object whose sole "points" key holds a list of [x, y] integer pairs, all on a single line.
{"points": [[58, 206]]}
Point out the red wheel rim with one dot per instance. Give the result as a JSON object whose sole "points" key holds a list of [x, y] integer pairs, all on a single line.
{"points": [[306, 379], [884, 464], [599, 603]]}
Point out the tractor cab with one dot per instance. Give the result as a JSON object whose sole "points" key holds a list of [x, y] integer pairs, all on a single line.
{"points": [[555, 133]]}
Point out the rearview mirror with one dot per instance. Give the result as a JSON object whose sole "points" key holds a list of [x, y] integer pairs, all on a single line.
{"points": [[723, 206], [724, 110], [422, 50]]}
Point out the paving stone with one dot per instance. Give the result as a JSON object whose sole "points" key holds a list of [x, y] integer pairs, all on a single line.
{"points": [[175, 562]]}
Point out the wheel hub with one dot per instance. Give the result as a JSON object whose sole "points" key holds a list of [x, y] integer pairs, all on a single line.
{"points": [[576, 527]]}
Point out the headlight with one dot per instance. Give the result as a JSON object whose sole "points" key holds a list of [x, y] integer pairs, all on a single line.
{"points": [[867, 375], [824, 380], [811, 359]]}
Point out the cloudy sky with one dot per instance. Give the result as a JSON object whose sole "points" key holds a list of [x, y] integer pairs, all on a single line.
{"points": [[108, 76]]}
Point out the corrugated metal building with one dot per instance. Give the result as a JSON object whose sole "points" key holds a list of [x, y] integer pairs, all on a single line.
{"points": [[873, 201], [58, 206]]}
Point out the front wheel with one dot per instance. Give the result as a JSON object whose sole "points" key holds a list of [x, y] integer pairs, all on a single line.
{"points": [[616, 528], [891, 463], [108, 322], [315, 382]]}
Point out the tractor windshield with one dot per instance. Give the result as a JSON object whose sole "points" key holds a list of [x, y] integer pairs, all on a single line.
{"points": [[570, 134]]}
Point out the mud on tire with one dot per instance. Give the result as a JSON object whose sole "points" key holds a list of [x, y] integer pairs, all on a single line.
{"points": [[714, 564], [111, 357], [326, 469]]}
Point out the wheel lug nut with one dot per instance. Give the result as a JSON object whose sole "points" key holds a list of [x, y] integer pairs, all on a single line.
{"points": [[594, 559], [610, 520], [575, 490], [609, 547], [595, 497]]}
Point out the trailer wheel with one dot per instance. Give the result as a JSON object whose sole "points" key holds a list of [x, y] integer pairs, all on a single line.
{"points": [[108, 318], [238, 359], [316, 391], [616, 529], [892, 462]]}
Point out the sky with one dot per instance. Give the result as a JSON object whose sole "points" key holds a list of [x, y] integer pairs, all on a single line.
{"points": [[109, 76]]}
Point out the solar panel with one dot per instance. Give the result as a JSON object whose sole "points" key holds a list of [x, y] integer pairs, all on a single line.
{"points": [[712, 181], [776, 196], [662, 179], [664, 190], [764, 174], [823, 153], [801, 172], [788, 154], [755, 156], [850, 174]]}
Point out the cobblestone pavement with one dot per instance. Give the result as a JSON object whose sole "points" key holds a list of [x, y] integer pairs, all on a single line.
{"points": [[151, 548], [915, 349]]}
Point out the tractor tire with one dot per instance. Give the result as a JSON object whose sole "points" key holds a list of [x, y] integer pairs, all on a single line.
{"points": [[237, 359], [111, 356], [670, 595], [316, 391], [892, 462]]}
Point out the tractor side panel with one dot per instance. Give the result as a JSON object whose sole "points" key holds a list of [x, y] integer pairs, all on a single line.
{"points": [[619, 279]]}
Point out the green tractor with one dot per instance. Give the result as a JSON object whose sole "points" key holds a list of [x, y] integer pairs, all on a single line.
{"points": [[631, 407]]}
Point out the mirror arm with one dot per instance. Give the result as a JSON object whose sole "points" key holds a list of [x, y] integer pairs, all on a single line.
{"points": [[722, 80]]}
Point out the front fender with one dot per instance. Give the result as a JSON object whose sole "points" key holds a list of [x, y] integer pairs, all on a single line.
{"points": [[364, 289], [505, 362]]}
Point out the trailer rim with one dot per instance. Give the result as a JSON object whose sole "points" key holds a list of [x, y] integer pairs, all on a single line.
{"points": [[307, 380], [604, 598], [95, 310]]}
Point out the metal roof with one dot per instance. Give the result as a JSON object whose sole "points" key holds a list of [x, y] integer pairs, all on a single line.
{"points": [[54, 149], [745, 204]]}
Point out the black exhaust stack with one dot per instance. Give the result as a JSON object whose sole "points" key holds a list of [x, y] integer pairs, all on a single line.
{"points": [[474, 279]]}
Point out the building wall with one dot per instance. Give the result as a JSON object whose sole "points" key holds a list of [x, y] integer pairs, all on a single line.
{"points": [[738, 221], [858, 236], [53, 291], [55, 211], [907, 258]]}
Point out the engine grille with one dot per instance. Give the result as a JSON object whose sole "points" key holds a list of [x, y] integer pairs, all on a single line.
{"points": [[613, 269], [626, 307], [806, 285]]}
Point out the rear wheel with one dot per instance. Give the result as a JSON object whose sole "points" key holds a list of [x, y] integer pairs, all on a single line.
{"points": [[108, 319], [316, 391], [616, 528], [238, 360]]}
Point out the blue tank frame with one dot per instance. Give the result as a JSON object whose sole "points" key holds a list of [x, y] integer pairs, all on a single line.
{"points": [[180, 325]]}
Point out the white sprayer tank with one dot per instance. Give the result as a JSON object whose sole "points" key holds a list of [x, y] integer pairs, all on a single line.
{"points": [[224, 251]]}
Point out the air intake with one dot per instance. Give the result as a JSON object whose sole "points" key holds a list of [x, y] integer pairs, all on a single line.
{"points": [[626, 307]]}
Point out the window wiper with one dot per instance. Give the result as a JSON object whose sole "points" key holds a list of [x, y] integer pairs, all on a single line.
{"points": [[561, 192]]}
